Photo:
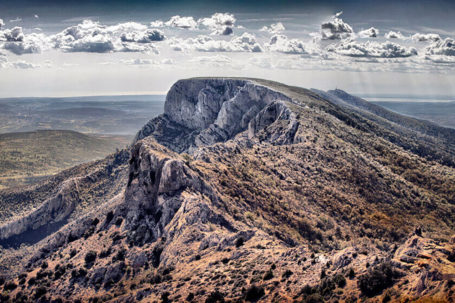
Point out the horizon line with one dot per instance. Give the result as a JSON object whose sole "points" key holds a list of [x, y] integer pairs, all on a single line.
{"points": [[152, 93]]}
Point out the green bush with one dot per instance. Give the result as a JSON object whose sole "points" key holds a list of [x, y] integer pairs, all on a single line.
{"points": [[254, 293], [377, 279], [90, 258]]}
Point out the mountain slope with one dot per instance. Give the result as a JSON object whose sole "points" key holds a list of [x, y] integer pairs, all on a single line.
{"points": [[29, 156], [246, 190]]}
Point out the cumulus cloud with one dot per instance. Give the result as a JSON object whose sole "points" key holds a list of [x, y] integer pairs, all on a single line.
{"points": [[220, 23], [371, 49], [244, 43], [24, 65], [143, 36], [369, 33], [218, 60], [444, 47], [1, 23], [282, 44], [274, 28], [395, 35], [93, 37], [16, 42], [425, 37], [336, 29], [12, 35], [182, 22], [20, 48], [226, 31], [140, 61], [88, 36]]}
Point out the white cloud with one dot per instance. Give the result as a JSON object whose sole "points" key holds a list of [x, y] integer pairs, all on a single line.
{"points": [[274, 28], [23, 65], [220, 23], [282, 44], [217, 60], [226, 31], [140, 61], [444, 47], [336, 29], [441, 59], [16, 42], [244, 43], [425, 37], [147, 36], [88, 36], [15, 20], [12, 35], [395, 35], [371, 49], [1, 23], [20, 48], [3, 60], [369, 33], [182, 22], [93, 37], [217, 20]]}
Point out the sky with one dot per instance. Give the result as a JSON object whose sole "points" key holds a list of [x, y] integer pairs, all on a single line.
{"points": [[80, 48]]}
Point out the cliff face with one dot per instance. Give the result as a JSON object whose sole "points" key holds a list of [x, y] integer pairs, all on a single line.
{"points": [[54, 209], [248, 190], [201, 112]]}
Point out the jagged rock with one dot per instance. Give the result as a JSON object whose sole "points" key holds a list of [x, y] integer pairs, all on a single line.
{"points": [[201, 112], [54, 209]]}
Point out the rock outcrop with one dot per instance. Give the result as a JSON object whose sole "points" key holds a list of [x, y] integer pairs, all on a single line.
{"points": [[201, 112], [54, 209]]}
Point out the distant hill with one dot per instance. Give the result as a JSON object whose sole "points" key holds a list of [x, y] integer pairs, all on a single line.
{"points": [[119, 115], [26, 157], [442, 113]]}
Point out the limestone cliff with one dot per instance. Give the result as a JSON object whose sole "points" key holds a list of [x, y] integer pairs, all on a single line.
{"points": [[201, 112]]}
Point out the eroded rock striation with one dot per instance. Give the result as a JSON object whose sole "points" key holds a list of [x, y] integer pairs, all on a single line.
{"points": [[201, 112]]}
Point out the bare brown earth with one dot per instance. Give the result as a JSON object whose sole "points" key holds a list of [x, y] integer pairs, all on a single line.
{"points": [[347, 207]]}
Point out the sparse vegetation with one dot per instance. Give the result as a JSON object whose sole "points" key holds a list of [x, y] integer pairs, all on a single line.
{"points": [[377, 279], [90, 258], [25, 158]]}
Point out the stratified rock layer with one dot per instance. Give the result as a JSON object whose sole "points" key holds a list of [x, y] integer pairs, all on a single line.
{"points": [[201, 112]]}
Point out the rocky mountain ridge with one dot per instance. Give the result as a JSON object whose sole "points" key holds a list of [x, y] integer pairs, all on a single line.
{"points": [[247, 190], [202, 112]]}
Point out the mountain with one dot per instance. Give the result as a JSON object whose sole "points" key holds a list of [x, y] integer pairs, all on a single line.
{"points": [[244, 190], [27, 157]]}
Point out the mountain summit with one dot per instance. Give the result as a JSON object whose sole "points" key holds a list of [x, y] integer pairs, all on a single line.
{"points": [[244, 190]]}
